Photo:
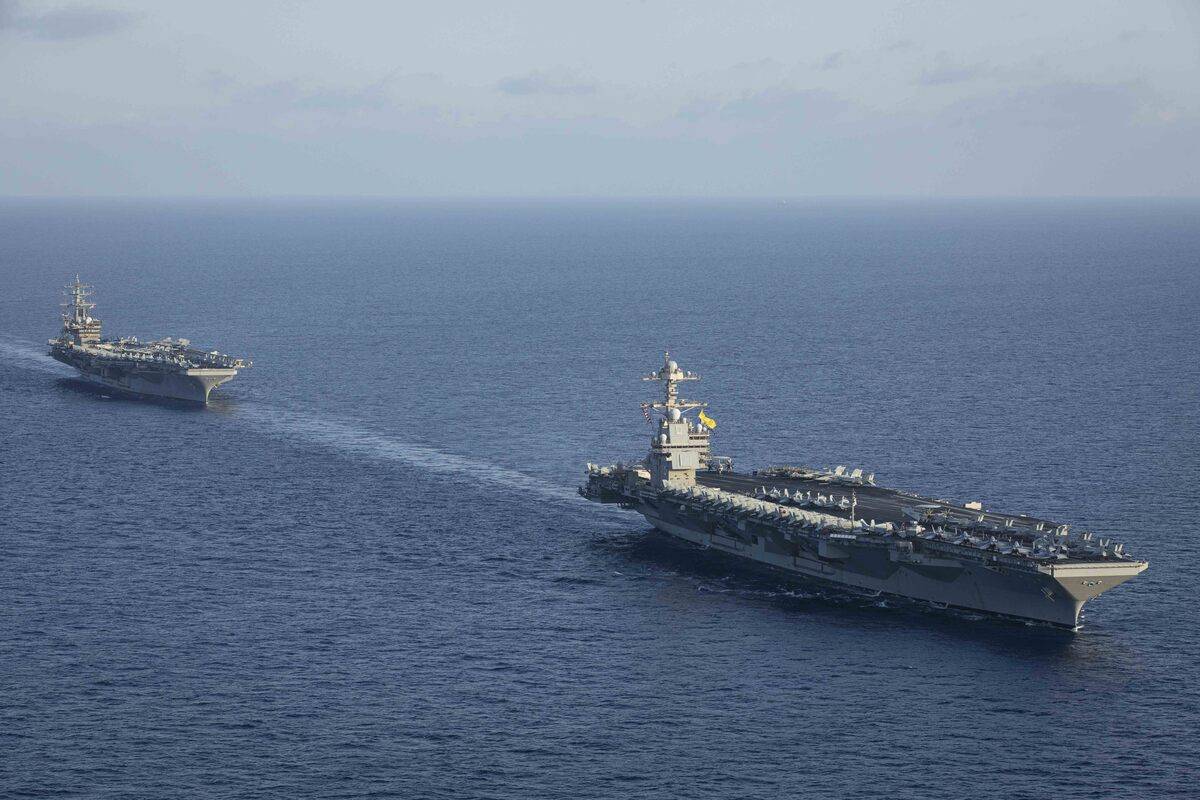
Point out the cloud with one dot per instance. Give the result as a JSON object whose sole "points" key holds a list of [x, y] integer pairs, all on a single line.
{"points": [[1125, 37], [70, 22], [772, 106], [1093, 107], [298, 94], [294, 94], [758, 64], [947, 71], [541, 82], [833, 60]]}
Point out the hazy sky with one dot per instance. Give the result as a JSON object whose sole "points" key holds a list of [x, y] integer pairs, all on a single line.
{"points": [[613, 98]]}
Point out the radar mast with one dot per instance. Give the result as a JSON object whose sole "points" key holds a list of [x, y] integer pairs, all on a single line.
{"points": [[671, 376], [678, 447], [79, 326]]}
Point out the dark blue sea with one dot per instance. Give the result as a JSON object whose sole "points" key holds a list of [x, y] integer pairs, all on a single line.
{"points": [[363, 571]]}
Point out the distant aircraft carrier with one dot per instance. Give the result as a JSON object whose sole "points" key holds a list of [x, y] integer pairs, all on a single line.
{"points": [[837, 526], [167, 368]]}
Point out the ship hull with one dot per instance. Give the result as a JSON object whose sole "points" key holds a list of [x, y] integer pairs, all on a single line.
{"points": [[839, 527], [1047, 595], [193, 386]]}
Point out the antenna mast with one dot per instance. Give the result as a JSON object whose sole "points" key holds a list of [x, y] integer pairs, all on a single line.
{"points": [[79, 326], [671, 376]]}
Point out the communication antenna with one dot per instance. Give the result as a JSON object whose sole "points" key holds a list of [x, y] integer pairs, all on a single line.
{"points": [[671, 376]]}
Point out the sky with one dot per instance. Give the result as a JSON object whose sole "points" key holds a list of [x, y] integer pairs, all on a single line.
{"points": [[653, 98]]}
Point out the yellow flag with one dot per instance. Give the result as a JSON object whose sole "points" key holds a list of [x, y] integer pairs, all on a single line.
{"points": [[708, 421]]}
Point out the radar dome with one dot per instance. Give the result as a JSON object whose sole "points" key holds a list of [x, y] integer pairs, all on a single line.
{"points": [[672, 366], [675, 415]]}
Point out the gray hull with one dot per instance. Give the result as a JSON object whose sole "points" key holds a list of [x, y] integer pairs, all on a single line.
{"points": [[1050, 594], [170, 369], [839, 527], [189, 386]]}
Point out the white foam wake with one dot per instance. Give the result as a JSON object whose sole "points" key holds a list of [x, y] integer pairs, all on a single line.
{"points": [[24, 354], [346, 438]]}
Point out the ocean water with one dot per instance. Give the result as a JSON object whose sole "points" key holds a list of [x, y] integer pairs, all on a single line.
{"points": [[363, 571]]}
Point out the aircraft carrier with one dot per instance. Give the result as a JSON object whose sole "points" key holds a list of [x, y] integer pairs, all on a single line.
{"points": [[167, 368], [837, 526]]}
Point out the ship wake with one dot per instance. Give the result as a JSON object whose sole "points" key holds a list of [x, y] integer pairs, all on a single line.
{"points": [[344, 437], [25, 355], [301, 428]]}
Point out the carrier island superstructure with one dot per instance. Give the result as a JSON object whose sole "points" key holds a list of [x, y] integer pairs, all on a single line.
{"points": [[839, 527], [166, 368]]}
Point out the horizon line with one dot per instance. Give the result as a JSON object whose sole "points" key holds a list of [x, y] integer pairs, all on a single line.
{"points": [[587, 198]]}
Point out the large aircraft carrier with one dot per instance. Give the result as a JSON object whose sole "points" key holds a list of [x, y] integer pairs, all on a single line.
{"points": [[839, 527], [166, 368]]}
